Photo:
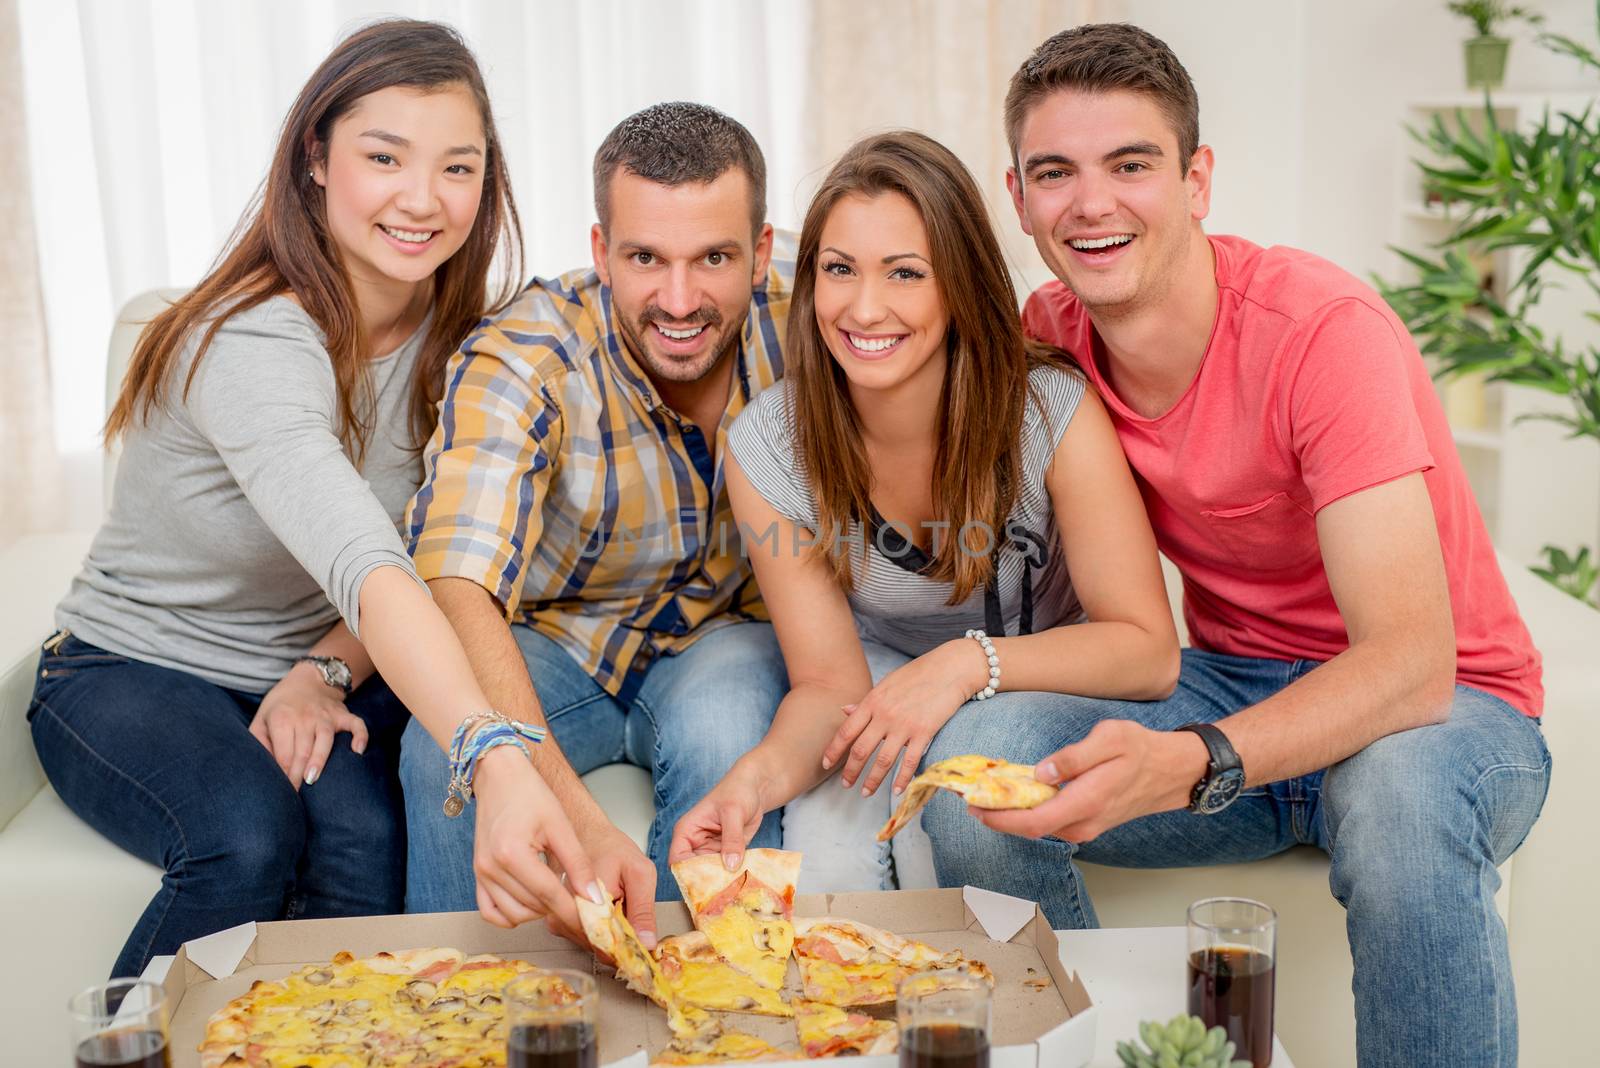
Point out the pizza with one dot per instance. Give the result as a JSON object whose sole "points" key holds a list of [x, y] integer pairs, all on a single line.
{"points": [[609, 931], [420, 1007], [983, 781], [721, 1047], [829, 1031], [748, 913], [843, 962], [702, 978]]}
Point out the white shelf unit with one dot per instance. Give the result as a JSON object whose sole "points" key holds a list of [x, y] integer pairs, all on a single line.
{"points": [[1534, 485]]}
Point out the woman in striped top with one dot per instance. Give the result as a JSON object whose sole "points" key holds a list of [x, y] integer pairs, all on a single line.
{"points": [[923, 472]]}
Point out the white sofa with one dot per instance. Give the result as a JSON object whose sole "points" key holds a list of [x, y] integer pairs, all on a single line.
{"points": [[68, 897]]}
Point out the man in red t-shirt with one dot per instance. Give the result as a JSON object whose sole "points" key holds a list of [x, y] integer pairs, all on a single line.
{"points": [[1360, 678]]}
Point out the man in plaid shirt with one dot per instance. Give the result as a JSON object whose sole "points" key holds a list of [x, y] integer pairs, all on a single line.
{"points": [[572, 522]]}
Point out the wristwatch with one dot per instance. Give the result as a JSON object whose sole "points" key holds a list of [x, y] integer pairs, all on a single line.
{"points": [[1223, 780], [334, 672]]}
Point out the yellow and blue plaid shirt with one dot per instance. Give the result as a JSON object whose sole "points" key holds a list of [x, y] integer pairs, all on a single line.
{"points": [[560, 482]]}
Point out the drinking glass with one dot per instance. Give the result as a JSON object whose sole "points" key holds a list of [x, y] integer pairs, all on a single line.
{"points": [[551, 1020], [1233, 954], [944, 1019], [120, 1024]]}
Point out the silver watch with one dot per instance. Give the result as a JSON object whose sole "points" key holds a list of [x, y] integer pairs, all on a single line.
{"points": [[334, 672]]}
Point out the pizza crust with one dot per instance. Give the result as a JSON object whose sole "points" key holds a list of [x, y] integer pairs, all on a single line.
{"points": [[704, 877]]}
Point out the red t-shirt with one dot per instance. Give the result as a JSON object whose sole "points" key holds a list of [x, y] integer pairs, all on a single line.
{"points": [[1310, 390]]}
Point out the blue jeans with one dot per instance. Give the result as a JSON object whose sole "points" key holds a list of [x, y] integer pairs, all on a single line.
{"points": [[163, 763], [695, 714], [1415, 825]]}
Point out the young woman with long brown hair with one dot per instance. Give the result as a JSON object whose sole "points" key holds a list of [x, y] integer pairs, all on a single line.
{"points": [[974, 530], [207, 703]]}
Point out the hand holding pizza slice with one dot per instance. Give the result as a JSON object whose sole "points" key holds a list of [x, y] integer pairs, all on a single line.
{"points": [[983, 781]]}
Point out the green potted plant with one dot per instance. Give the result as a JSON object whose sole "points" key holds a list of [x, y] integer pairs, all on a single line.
{"points": [[1531, 189], [1486, 53], [1182, 1041]]}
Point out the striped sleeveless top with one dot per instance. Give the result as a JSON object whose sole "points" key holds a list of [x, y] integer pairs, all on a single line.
{"points": [[898, 607]]}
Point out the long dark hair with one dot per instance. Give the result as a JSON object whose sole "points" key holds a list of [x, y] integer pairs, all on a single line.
{"points": [[977, 465], [282, 243]]}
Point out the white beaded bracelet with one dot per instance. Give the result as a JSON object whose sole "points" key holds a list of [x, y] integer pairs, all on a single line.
{"points": [[994, 665]]}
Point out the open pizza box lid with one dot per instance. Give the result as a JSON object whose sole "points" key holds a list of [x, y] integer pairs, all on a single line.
{"points": [[1043, 1017]]}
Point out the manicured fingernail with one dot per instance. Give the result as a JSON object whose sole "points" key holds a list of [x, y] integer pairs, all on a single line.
{"points": [[847, 709], [358, 747], [311, 775], [866, 791], [826, 763], [898, 789], [845, 782], [647, 939], [1047, 771], [597, 893], [730, 861]]}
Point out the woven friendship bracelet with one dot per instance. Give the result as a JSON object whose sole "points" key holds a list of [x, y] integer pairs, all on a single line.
{"points": [[477, 734]]}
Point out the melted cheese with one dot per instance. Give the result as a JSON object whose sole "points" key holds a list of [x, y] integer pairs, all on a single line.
{"points": [[718, 986], [752, 937]]}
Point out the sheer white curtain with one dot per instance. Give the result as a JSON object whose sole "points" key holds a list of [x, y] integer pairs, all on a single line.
{"points": [[150, 124], [942, 67], [28, 462]]}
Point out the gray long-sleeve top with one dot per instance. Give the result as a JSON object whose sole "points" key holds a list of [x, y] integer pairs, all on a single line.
{"points": [[239, 529]]}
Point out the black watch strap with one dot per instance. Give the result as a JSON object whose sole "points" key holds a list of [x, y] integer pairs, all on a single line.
{"points": [[1223, 761]]}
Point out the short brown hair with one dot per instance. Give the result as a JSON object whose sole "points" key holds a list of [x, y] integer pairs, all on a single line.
{"points": [[675, 143], [1100, 57]]}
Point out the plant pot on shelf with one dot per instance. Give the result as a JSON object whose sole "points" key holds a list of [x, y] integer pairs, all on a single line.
{"points": [[1486, 61]]}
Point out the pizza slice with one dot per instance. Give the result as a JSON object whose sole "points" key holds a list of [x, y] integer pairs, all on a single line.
{"points": [[609, 931], [843, 962], [720, 1047], [703, 978], [748, 914], [829, 1031], [983, 781]]}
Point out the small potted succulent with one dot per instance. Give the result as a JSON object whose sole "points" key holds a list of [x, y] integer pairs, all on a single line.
{"points": [[1183, 1042], [1486, 53]]}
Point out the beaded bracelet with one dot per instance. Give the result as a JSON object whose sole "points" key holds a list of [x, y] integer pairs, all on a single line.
{"points": [[994, 665], [477, 734]]}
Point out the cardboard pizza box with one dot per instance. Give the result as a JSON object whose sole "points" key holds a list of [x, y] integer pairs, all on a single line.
{"points": [[1043, 1017]]}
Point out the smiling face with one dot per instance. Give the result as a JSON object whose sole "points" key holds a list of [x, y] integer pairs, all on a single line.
{"points": [[878, 305], [402, 176], [1111, 205], [681, 263]]}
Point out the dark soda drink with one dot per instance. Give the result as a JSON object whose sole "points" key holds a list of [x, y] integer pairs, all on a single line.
{"points": [[552, 1045], [944, 1046], [124, 1049], [1231, 987]]}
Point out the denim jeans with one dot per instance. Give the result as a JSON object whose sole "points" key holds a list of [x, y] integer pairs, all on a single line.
{"points": [[837, 829], [162, 763], [696, 713], [1415, 825]]}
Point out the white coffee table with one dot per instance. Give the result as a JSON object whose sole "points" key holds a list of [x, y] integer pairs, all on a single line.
{"points": [[1133, 974]]}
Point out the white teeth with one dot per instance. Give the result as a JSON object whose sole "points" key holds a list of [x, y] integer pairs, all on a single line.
{"points": [[680, 335], [873, 344], [1086, 244], [416, 237]]}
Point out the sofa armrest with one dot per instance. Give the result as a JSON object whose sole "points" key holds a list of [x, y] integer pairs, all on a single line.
{"points": [[1554, 926], [35, 573]]}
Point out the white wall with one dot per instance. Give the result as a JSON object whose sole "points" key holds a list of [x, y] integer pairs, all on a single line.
{"points": [[1303, 102]]}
